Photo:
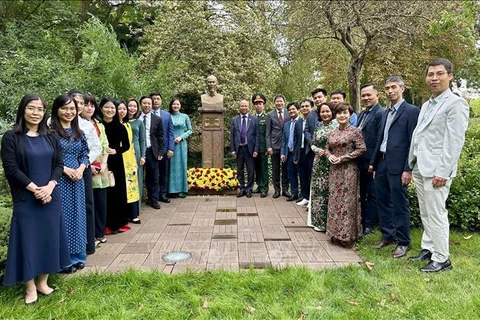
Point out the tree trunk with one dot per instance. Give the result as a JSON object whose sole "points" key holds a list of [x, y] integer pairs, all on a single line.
{"points": [[354, 69]]}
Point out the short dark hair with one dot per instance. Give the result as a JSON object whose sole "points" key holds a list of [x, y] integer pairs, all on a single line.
{"points": [[55, 124], [74, 92], [145, 97], [317, 90], [339, 91], [136, 115], [293, 103], [307, 100], [279, 95], [366, 85], [343, 107], [20, 126], [441, 62], [156, 93], [330, 106], [171, 104], [103, 102]]}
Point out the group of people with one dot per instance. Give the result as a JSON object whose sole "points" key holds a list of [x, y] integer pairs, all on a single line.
{"points": [[352, 172], [95, 153]]}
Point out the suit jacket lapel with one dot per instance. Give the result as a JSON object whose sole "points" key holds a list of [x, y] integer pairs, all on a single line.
{"points": [[400, 110], [434, 112]]}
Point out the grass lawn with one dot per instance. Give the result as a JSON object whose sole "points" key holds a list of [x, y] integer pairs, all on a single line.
{"points": [[393, 289]]}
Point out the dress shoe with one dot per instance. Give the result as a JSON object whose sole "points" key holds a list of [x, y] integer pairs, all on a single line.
{"points": [[384, 243], [263, 195], [79, 265], [182, 195], [149, 202], [400, 251], [240, 193], [164, 199], [299, 199], [276, 194], [302, 203], [45, 294], [69, 270], [248, 194], [286, 194], [435, 266], [292, 198], [155, 205], [257, 190], [136, 221], [423, 255]]}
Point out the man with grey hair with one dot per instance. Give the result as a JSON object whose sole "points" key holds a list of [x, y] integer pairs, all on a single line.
{"points": [[392, 172]]}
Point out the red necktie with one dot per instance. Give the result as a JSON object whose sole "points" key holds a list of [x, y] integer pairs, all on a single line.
{"points": [[280, 117]]}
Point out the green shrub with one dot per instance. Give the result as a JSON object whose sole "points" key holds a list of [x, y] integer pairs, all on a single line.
{"points": [[463, 203], [475, 108], [5, 216]]}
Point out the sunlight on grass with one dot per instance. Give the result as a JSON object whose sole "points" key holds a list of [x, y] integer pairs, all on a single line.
{"points": [[393, 289]]}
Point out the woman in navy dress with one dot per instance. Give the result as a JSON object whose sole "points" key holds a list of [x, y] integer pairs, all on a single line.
{"points": [[33, 163], [118, 143], [64, 121]]}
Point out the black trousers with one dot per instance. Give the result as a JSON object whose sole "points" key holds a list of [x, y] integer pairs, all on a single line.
{"points": [[163, 168], [151, 176], [100, 200], [90, 210], [279, 170], [245, 159]]}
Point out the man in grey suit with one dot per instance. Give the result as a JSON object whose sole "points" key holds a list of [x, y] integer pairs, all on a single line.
{"points": [[274, 136], [244, 147], [436, 146]]}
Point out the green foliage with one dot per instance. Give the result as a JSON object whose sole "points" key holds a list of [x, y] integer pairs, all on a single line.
{"points": [[463, 203], [5, 216], [475, 108]]}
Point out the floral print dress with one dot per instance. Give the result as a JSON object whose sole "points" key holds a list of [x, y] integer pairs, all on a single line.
{"points": [[344, 215], [318, 206]]}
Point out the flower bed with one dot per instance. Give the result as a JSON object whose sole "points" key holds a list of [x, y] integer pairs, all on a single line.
{"points": [[211, 179]]}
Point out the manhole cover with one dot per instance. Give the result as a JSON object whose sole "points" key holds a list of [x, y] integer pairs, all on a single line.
{"points": [[176, 256]]}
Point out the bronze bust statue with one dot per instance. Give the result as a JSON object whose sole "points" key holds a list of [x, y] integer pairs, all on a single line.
{"points": [[212, 99]]}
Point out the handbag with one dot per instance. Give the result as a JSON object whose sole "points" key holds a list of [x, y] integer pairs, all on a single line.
{"points": [[111, 179]]}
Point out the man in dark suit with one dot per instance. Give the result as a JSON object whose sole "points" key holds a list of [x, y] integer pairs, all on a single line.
{"points": [[290, 142], [244, 147], [155, 150], [305, 154], [392, 172], [261, 161], [369, 122], [168, 144], [274, 139]]}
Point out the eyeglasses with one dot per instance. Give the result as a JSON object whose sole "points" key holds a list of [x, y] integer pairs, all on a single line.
{"points": [[38, 109]]}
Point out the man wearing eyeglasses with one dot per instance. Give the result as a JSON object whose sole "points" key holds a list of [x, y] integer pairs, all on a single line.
{"points": [[436, 146]]}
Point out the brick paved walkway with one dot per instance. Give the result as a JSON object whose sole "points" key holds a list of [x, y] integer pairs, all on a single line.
{"points": [[221, 232]]}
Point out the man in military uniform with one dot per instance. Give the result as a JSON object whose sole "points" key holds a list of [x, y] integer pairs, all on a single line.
{"points": [[261, 162]]}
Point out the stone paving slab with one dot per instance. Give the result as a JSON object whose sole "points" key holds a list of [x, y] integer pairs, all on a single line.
{"points": [[221, 232]]}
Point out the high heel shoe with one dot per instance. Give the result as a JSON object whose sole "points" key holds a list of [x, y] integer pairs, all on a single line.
{"points": [[44, 293]]}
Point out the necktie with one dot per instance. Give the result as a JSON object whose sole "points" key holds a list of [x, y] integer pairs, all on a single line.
{"points": [[280, 118], [145, 121], [364, 118], [243, 131], [290, 137]]}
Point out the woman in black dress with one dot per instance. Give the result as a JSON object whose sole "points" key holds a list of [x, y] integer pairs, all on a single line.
{"points": [[38, 243], [117, 210]]}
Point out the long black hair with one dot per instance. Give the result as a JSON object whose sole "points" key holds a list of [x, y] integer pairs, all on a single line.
{"points": [[55, 124], [20, 126], [119, 102]]}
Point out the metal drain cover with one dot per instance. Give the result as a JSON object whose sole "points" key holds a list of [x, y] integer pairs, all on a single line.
{"points": [[176, 256]]}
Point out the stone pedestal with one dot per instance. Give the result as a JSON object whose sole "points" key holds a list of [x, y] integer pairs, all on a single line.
{"points": [[212, 136]]}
